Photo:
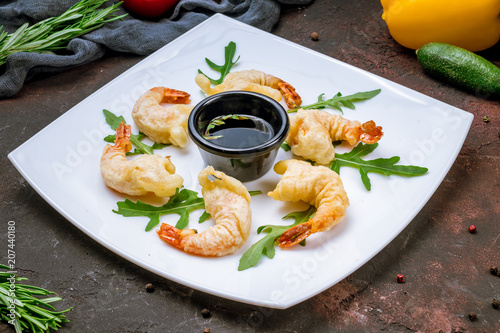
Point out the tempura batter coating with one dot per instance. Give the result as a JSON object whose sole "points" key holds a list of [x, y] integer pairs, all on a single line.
{"points": [[228, 202], [313, 131], [163, 124], [256, 81], [316, 185], [148, 173]]}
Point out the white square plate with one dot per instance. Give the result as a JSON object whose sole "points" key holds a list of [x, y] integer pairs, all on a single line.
{"points": [[419, 129]]}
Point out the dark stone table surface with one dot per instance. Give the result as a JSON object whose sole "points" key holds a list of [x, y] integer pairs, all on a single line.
{"points": [[447, 269]]}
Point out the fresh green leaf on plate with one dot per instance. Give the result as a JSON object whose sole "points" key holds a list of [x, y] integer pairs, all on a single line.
{"points": [[385, 166], [265, 246], [338, 101], [229, 52], [114, 122], [182, 203]]}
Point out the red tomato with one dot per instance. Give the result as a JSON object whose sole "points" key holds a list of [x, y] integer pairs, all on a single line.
{"points": [[149, 8]]}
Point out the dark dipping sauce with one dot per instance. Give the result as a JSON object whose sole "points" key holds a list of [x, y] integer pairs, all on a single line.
{"points": [[246, 147], [242, 131]]}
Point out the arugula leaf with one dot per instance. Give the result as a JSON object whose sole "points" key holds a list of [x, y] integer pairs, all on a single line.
{"points": [[385, 166], [110, 138], [266, 244], [142, 148], [182, 203], [114, 122], [229, 52], [204, 216], [338, 101], [219, 121], [285, 146]]}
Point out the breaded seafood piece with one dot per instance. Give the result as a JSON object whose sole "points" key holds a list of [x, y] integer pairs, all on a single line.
{"points": [[256, 81], [316, 185], [313, 131], [163, 124], [148, 173], [228, 202]]}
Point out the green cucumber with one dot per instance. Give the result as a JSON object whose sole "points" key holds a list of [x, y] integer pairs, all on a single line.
{"points": [[461, 68]]}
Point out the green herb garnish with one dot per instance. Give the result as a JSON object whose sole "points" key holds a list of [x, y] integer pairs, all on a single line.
{"points": [[55, 33], [229, 52], [218, 121], [32, 313], [385, 166], [182, 203], [285, 146], [140, 148], [265, 246], [338, 101]]}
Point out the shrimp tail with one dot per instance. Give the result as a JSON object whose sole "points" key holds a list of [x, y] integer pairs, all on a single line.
{"points": [[172, 96], [122, 139], [172, 235], [295, 235], [292, 98], [371, 133]]}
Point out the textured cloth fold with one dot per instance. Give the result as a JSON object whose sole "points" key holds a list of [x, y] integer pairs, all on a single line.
{"points": [[131, 35]]}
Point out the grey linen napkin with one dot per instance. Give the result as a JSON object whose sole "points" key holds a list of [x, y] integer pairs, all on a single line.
{"points": [[132, 35]]}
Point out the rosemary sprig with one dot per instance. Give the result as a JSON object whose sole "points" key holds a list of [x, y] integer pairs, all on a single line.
{"points": [[21, 305], [55, 32]]}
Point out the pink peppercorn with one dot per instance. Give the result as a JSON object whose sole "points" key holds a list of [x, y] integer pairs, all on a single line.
{"points": [[472, 229], [400, 278]]}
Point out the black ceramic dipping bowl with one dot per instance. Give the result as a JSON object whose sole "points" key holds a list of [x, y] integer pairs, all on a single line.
{"points": [[243, 158]]}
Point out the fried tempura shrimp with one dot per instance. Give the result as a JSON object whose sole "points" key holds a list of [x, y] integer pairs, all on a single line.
{"points": [[256, 81], [228, 202], [313, 131], [148, 173], [315, 185], [163, 124]]}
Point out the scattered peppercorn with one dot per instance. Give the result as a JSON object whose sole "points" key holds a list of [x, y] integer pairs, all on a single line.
{"points": [[495, 303], [472, 316], [205, 313], [486, 119], [314, 36], [472, 229], [150, 288], [400, 278], [206, 330], [494, 270]]}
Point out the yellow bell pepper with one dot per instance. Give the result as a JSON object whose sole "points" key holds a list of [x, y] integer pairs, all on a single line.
{"points": [[471, 24]]}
